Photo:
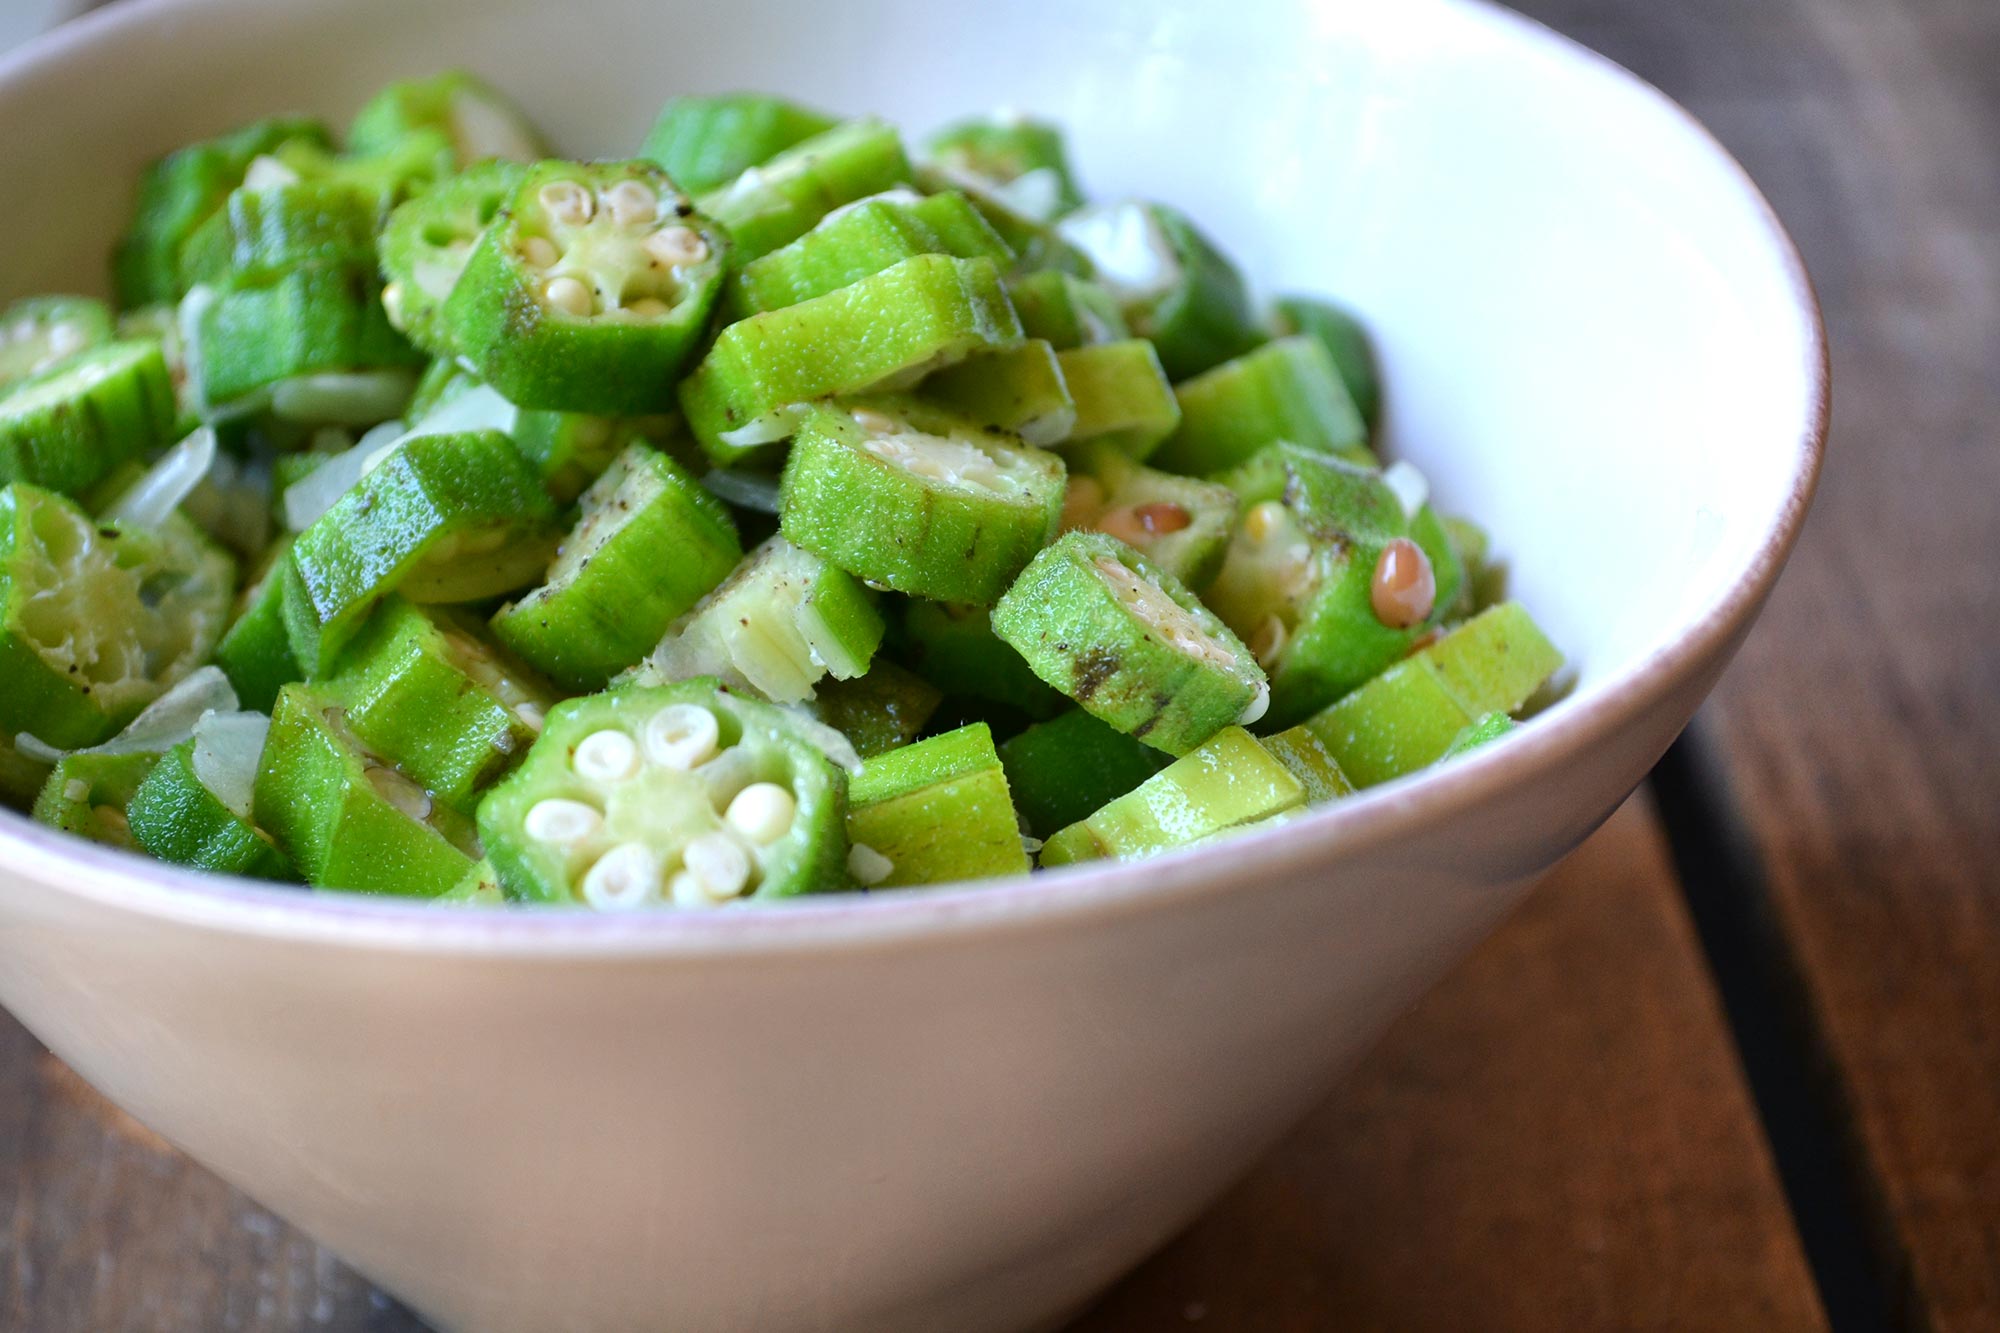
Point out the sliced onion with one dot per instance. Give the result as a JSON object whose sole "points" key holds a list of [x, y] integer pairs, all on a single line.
{"points": [[233, 503], [830, 741], [227, 749], [1033, 194], [149, 501], [187, 321], [268, 173], [166, 722], [1412, 488], [746, 490], [1133, 258], [767, 429], [319, 490], [478, 408], [347, 398]]}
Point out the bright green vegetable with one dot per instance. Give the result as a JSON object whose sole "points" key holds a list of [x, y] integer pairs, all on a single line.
{"points": [[313, 320], [1172, 283], [1021, 392], [1022, 161], [261, 233], [175, 816], [70, 426], [476, 118], [877, 712], [256, 652], [87, 795], [780, 199], [955, 648], [1344, 339], [1481, 732], [1309, 760], [1121, 394], [1288, 390], [934, 812], [858, 240], [1180, 524], [1063, 770], [427, 243], [480, 888], [703, 142], [681, 795], [41, 332], [1067, 311]]}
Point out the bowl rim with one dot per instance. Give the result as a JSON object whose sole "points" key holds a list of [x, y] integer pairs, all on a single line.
{"points": [[42, 858]]}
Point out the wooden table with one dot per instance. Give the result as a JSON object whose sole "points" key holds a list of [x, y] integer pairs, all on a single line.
{"points": [[1737, 1063]]}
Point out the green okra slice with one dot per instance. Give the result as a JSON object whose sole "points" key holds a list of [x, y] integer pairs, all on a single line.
{"points": [[877, 712], [1180, 524], [480, 888], [98, 619], [1345, 339], [679, 795], [1066, 311], [909, 498], [1301, 751], [703, 142], [72, 425], [954, 647], [1021, 160], [858, 240], [314, 320], [780, 199], [1287, 390], [261, 232], [39, 333], [1130, 643], [650, 544], [934, 812], [427, 242], [449, 710], [588, 290], [440, 518], [1480, 732], [478, 120], [779, 624], [177, 814], [256, 651], [1037, 246], [880, 334], [344, 815], [1065, 769], [1121, 394], [1021, 392], [1172, 284], [1225, 783], [86, 795], [178, 192]]}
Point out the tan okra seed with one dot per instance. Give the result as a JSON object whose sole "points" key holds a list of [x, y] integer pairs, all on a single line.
{"points": [[539, 251], [1404, 591], [630, 204], [567, 202], [675, 245], [569, 296]]}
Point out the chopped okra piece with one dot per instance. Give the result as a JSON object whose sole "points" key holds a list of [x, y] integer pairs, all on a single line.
{"points": [[1129, 642], [780, 199], [70, 426], [97, 619], [1066, 311], [1494, 662], [1064, 769], [909, 498], [480, 888], [1489, 728], [877, 712], [1286, 390], [954, 648], [439, 518], [1344, 339], [1301, 751], [883, 333], [427, 242], [256, 652], [193, 809], [779, 624], [87, 795], [41, 332], [1173, 285], [478, 120], [1021, 392], [678, 795], [703, 142], [1180, 524], [21, 775], [1229, 781], [1022, 161], [344, 815], [650, 543], [1036, 245], [937, 811], [261, 233], [1121, 394], [588, 290], [315, 320]]}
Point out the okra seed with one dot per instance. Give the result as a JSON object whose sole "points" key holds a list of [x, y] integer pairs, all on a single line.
{"points": [[1404, 591], [718, 863], [392, 304], [631, 203], [648, 307], [531, 715], [624, 877], [400, 792], [1260, 704], [539, 251], [867, 865], [567, 202], [562, 822], [677, 245], [606, 756], [686, 891], [876, 423], [1269, 641], [1138, 524], [762, 812], [682, 736], [1264, 521], [569, 296]]}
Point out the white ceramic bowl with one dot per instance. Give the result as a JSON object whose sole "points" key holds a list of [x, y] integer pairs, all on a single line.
{"points": [[963, 1109]]}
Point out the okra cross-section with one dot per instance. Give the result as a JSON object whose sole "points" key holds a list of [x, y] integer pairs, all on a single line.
{"points": [[429, 240], [1129, 642], [883, 333], [934, 812], [780, 199], [679, 795], [1180, 524], [69, 426], [87, 795], [912, 499], [588, 290]]}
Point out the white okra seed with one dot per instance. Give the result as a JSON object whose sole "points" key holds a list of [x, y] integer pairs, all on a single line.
{"points": [[1260, 704], [686, 891], [561, 822], [539, 251], [531, 715], [681, 736], [719, 864], [762, 812], [675, 245], [631, 203], [627, 876], [400, 792], [606, 756], [876, 423], [569, 296], [868, 866], [392, 304]]}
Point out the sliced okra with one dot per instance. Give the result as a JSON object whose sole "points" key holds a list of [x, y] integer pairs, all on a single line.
{"points": [[860, 239], [779, 624], [1037, 245], [478, 119], [447, 709], [1065, 769], [1023, 161], [905, 497], [703, 142], [39, 333], [315, 320], [179, 191], [1180, 524], [403, 169], [97, 619], [344, 815], [877, 712], [22, 776], [1286, 390], [588, 290], [427, 242], [71, 426], [779, 200], [954, 647], [439, 518], [480, 888], [1021, 391], [178, 817], [1173, 285], [86, 795], [262, 232], [934, 812], [1480, 732], [883, 333], [650, 543], [256, 651], [1301, 750], [1129, 642], [1494, 662], [1067, 311], [1345, 339], [1121, 394], [1228, 781], [679, 795]]}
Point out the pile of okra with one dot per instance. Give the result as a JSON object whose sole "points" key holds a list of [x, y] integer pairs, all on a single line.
{"points": [[770, 513]]}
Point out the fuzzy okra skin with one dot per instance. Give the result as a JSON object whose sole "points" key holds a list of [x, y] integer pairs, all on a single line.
{"points": [[1301, 751], [1066, 311], [680, 795], [260, 233], [256, 651], [650, 543], [1063, 770], [87, 795], [1023, 161], [1021, 392], [879, 334], [176, 818], [1228, 781], [1121, 394], [877, 712], [442, 518], [38, 333], [1130, 643], [1180, 524], [315, 319], [427, 242], [780, 199], [703, 142], [912, 499], [1345, 339], [858, 240], [954, 647], [1482, 731], [346, 818], [68, 427], [936, 811], [1287, 390], [478, 120]]}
